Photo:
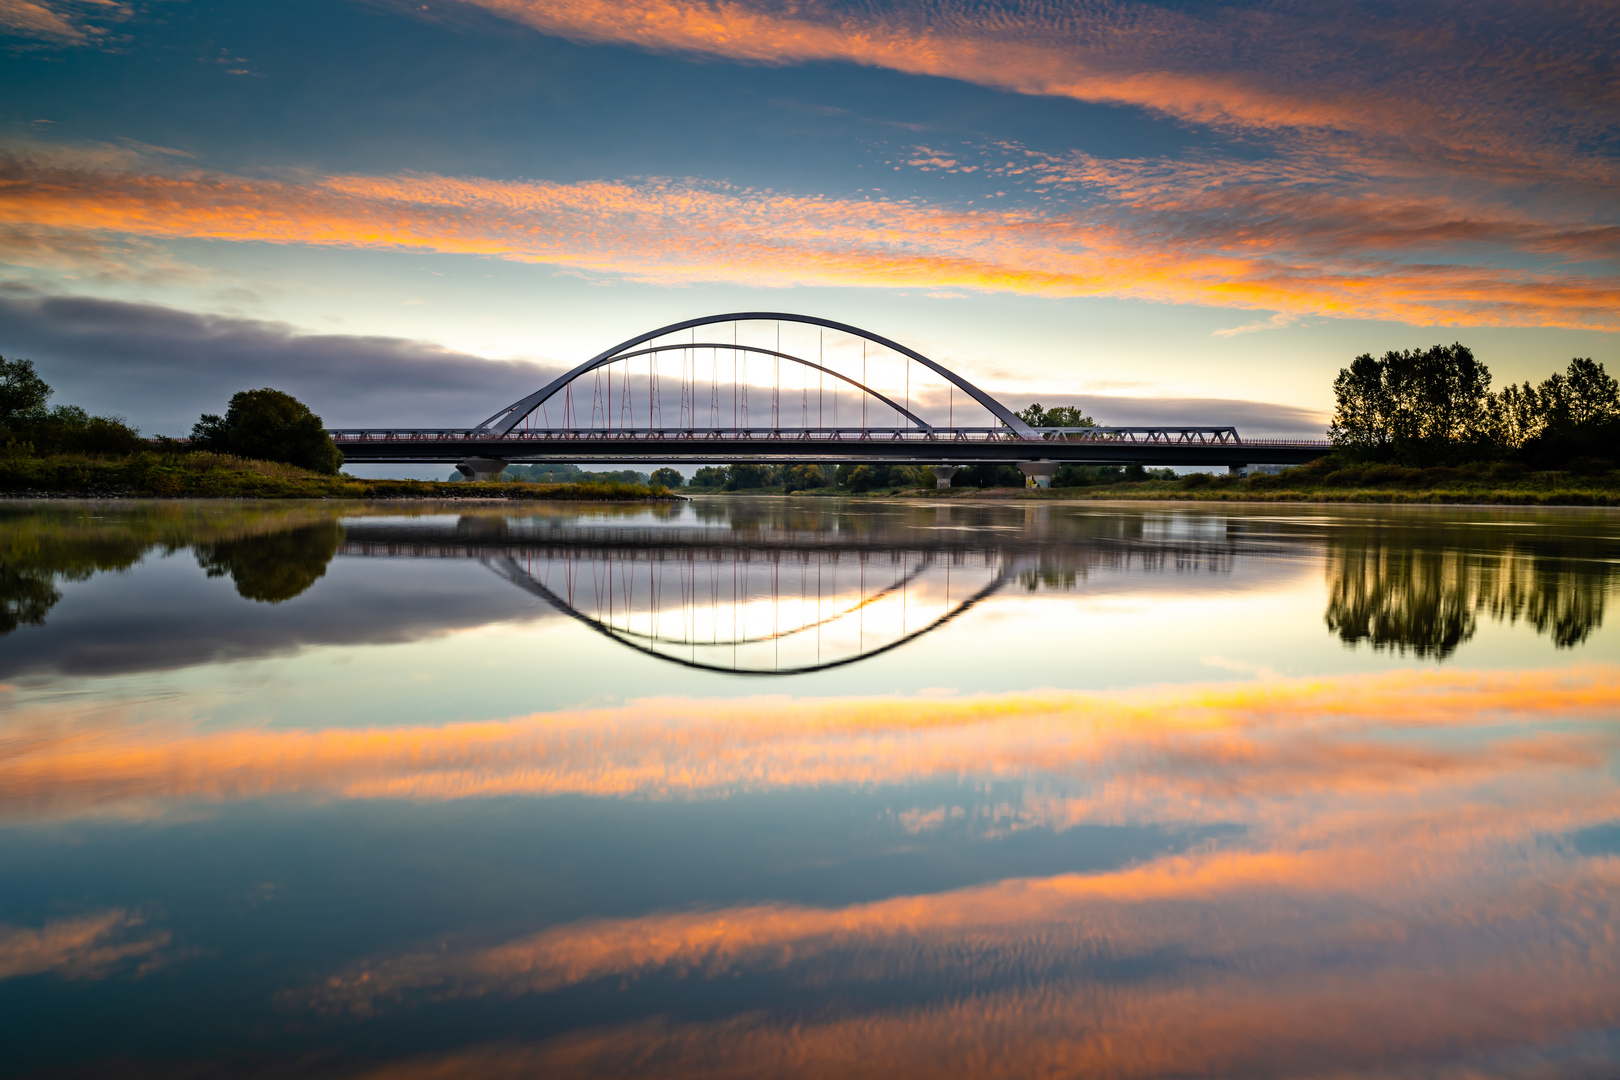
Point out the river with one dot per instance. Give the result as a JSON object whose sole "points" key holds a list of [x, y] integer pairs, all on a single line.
{"points": [[764, 786]]}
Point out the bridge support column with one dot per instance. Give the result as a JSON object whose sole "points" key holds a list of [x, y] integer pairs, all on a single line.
{"points": [[481, 468], [943, 474], [1038, 473], [1237, 470]]}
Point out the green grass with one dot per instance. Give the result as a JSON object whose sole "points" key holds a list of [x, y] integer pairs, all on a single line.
{"points": [[221, 476]]}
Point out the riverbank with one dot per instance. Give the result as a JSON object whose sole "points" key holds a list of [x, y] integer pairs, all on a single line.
{"points": [[221, 476], [1376, 484]]}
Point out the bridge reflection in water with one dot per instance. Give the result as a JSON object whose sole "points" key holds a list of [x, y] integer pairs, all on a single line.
{"points": [[771, 600], [778, 614]]}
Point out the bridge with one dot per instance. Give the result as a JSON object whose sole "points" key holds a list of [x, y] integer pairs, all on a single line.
{"points": [[711, 390]]}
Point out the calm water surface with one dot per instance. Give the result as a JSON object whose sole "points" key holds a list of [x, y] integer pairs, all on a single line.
{"points": [[764, 787]]}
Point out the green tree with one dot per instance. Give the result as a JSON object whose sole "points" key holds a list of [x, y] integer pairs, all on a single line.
{"points": [[710, 476], [745, 477], [667, 477], [268, 425], [64, 429], [864, 478], [1592, 395], [1414, 404], [23, 393], [1569, 415], [1069, 416], [802, 477]]}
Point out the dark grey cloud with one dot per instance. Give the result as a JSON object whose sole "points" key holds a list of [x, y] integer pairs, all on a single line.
{"points": [[160, 367]]}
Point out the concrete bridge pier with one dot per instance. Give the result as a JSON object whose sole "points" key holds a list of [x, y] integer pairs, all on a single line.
{"points": [[481, 468], [1037, 473], [943, 474]]}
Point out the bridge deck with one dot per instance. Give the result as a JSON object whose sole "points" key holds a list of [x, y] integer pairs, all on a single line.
{"points": [[1103, 445]]}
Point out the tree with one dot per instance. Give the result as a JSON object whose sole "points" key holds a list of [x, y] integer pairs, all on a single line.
{"points": [[23, 393], [1592, 395], [269, 425], [864, 478], [802, 477], [710, 476], [740, 477], [1569, 415], [64, 429], [1412, 403], [1058, 416], [667, 477]]}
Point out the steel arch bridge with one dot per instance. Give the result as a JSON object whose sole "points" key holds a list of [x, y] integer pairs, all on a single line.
{"points": [[704, 391]]}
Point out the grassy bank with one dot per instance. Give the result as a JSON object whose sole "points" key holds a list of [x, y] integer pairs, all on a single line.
{"points": [[1322, 482], [221, 476]]}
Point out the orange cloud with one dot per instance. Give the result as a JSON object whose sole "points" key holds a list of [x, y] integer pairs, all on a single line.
{"points": [[714, 232], [1331, 957], [1208, 745], [1382, 1022], [41, 19], [87, 947]]}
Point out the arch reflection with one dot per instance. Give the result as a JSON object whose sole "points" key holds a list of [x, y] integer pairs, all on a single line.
{"points": [[755, 613]]}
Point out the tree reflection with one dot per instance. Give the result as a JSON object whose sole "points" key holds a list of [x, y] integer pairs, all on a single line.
{"points": [[1424, 589], [25, 597], [43, 546], [274, 567]]}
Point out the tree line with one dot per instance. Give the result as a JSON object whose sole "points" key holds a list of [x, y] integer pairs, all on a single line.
{"points": [[1436, 406], [264, 425], [30, 425]]}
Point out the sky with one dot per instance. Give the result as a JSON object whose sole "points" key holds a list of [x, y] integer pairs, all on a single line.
{"points": [[414, 213]]}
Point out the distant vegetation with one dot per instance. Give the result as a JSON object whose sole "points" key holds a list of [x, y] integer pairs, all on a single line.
{"points": [[553, 473]]}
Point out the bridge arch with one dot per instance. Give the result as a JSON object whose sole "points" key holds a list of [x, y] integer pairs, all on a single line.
{"points": [[895, 405], [502, 422]]}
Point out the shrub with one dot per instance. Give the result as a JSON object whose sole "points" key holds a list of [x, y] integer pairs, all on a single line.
{"points": [[1388, 474]]}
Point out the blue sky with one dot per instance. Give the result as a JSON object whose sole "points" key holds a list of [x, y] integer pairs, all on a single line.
{"points": [[413, 213]]}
